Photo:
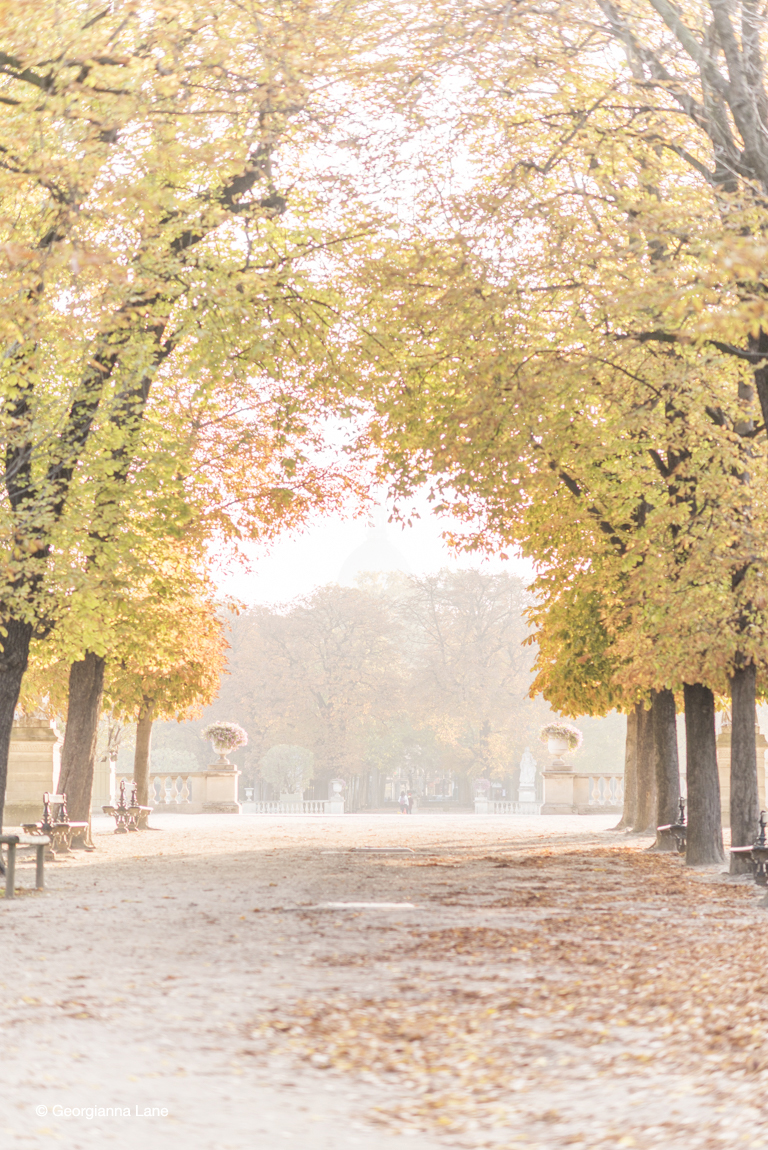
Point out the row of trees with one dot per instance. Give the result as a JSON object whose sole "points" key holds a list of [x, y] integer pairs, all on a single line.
{"points": [[567, 343]]}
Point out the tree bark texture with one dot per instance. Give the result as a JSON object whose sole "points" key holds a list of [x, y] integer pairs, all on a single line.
{"points": [[13, 663], [645, 816], [663, 719], [745, 805], [630, 773], [142, 753], [78, 755], [704, 841]]}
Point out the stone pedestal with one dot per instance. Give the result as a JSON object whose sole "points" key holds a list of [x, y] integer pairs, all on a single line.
{"points": [[219, 790], [33, 768], [335, 804], [559, 782], [724, 770]]}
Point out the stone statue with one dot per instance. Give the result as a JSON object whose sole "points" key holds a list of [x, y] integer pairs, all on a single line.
{"points": [[527, 788], [527, 768]]}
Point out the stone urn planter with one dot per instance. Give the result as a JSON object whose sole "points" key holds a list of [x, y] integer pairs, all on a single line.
{"points": [[224, 737], [557, 747], [560, 738], [221, 749]]}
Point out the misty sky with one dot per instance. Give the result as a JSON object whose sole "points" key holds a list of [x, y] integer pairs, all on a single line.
{"points": [[296, 564]]}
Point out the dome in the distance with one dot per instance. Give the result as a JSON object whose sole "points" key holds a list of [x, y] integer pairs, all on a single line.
{"points": [[375, 554]]}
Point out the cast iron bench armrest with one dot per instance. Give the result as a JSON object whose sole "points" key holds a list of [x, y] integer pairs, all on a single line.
{"points": [[678, 832], [38, 843]]}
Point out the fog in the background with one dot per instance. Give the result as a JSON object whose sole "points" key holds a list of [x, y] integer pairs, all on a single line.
{"points": [[296, 565]]}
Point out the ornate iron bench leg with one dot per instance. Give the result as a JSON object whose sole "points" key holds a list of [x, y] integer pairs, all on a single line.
{"points": [[60, 840], [10, 872], [39, 867]]}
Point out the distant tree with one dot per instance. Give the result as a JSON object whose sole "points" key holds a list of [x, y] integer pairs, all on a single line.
{"points": [[288, 768], [469, 671]]}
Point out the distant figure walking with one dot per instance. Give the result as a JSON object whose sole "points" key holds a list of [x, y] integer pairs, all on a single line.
{"points": [[404, 804]]}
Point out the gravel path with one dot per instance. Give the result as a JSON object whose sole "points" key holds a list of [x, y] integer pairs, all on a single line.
{"points": [[535, 983]]}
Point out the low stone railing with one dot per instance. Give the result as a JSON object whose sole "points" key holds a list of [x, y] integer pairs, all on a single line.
{"points": [[305, 807], [505, 807], [605, 790], [170, 790], [192, 792], [567, 792]]}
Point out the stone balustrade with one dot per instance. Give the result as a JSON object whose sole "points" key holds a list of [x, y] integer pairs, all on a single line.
{"points": [[305, 807], [505, 807], [188, 793], [602, 791], [567, 792], [170, 790], [192, 792]]}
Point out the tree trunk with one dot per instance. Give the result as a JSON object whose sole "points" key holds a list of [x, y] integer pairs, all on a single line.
{"points": [[667, 766], [630, 773], [704, 844], [78, 755], [745, 805], [645, 817], [141, 754], [13, 664]]}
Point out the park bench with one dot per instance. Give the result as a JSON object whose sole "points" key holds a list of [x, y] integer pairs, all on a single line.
{"points": [[11, 843], [56, 824], [126, 815], [678, 830], [757, 853]]}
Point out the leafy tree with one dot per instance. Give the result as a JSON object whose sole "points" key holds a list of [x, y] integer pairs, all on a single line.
{"points": [[163, 655], [172, 673]]}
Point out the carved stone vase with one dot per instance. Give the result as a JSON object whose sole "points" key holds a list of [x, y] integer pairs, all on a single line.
{"points": [[557, 748], [221, 749]]}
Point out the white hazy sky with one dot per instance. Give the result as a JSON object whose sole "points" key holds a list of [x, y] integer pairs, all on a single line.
{"points": [[297, 564]]}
